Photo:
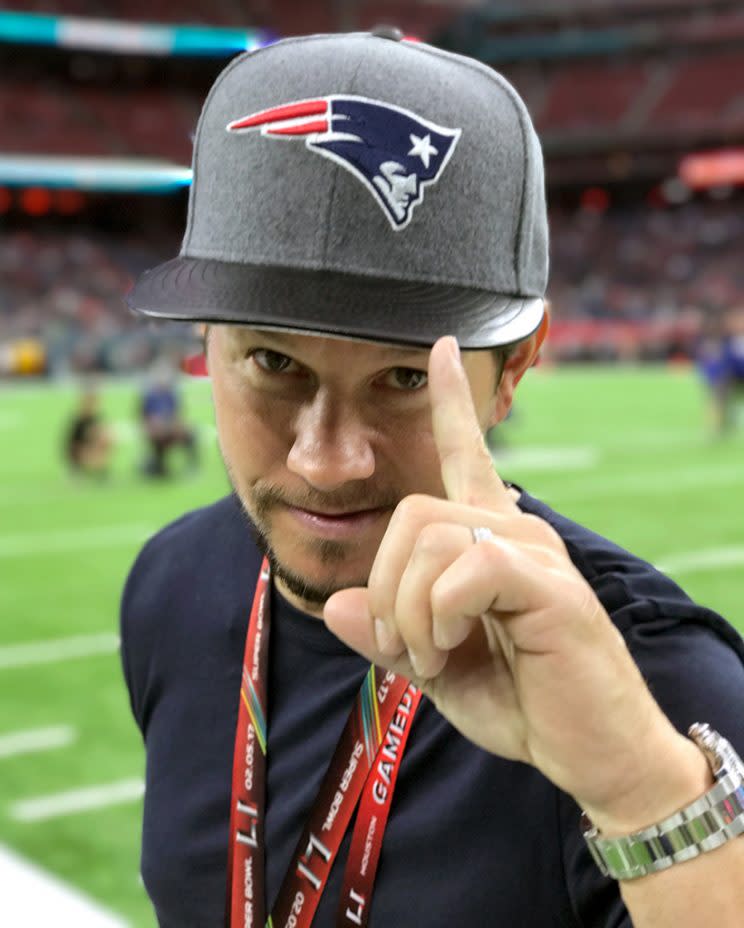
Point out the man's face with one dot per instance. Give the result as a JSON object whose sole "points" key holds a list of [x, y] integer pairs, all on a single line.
{"points": [[322, 438]]}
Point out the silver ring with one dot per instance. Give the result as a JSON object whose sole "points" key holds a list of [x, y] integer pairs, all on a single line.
{"points": [[481, 533]]}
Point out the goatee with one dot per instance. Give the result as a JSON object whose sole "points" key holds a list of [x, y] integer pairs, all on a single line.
{"points": [[265, 498], [312, 594]]}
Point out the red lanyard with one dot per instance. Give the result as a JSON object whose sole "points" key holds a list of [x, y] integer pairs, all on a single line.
{"points": [[366, 763]]}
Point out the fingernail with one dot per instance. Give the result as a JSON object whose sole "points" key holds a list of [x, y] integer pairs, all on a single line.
{"points": [[416, 663], [455, 349], [382, 635]]}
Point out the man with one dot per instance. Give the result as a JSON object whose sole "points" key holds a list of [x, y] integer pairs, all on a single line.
{"points": [[357, 202], [162, 422], [721, 364]]}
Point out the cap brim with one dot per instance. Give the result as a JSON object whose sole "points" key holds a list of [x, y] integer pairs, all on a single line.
{"points": [[332, 303]]}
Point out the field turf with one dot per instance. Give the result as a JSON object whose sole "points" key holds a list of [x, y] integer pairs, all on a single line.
{"points": [[625, 451]]}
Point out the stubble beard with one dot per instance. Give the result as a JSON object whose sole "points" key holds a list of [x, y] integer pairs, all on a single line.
{"points": [[311, 593], [265, 498]]}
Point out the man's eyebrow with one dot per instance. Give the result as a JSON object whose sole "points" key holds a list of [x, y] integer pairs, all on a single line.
{"points": [[284, 339]]}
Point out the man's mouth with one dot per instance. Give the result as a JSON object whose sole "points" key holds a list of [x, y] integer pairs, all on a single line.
{"points": [[337, 524]]}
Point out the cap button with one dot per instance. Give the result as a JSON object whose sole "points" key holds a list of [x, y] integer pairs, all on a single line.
{"points": [[384, 31]]}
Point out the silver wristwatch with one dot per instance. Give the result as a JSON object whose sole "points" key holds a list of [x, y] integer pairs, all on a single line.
{"points": [[713, 819]]}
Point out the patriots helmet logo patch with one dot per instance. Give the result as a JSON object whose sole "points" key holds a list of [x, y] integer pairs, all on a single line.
{"points": [[395, 153]]}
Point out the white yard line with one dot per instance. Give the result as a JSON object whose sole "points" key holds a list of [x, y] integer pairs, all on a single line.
{"points": [[639, 484], [30, 896], [546, 458], [705, 560], [633, 441], [34, 740], [50, 651], [33, 543], [71, 802]]}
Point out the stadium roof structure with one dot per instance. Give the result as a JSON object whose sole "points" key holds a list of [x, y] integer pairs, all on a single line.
{"points": [[101, 174], [122, 37]]}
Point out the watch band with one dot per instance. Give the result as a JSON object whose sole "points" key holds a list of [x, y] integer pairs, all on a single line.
{"points": [[705, 824]]}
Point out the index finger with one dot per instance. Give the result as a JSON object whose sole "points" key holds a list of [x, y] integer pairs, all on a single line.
{"points": [[467, 468]]}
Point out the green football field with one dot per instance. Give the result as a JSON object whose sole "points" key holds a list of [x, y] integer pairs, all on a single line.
{"points": [[625, 451]]}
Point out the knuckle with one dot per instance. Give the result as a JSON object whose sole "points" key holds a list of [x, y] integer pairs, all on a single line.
{"points": [[431, 540], [542, 531], [489, 556], [412, 626], [411, 508]]}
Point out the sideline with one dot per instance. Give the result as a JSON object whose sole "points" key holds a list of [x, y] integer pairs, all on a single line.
{"points": [[52, 650], [36, 739], [70, 802], [31, 896]]}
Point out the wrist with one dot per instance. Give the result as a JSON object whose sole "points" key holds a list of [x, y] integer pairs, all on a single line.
{"points": [[702, 824], [675, 773]]}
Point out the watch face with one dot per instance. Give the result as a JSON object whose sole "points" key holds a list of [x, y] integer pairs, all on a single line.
{"points": [[719, 753], [730, 762]]}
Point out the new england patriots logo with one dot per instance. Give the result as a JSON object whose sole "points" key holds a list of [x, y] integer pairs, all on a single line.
{"points": [[392, 151]]}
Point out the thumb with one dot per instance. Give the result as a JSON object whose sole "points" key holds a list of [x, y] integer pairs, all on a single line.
{"points": [[348, 616]]}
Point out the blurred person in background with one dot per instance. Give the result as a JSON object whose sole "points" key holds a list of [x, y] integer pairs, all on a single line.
{"points": [[164, 427], [358, 200], [88, 441], [721, 364]]}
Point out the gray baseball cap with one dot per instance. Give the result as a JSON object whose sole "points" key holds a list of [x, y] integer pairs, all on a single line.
{"points": [[361, 186]]}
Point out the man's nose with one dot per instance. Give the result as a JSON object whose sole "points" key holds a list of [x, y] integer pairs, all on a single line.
{"points": [[331, 444]]}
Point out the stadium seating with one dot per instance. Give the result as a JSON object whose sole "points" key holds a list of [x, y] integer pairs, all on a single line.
{"points": [[703, 91], [42, 119], [590, 94], [697, 90], [46, 119]]}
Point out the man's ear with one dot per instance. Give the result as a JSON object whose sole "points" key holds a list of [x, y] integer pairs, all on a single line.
{"points": [[516, 366]]}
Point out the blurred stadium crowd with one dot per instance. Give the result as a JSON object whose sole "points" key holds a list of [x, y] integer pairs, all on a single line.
{"points": [[627, 284], [64, 292], [646, 258], [640, 284]]}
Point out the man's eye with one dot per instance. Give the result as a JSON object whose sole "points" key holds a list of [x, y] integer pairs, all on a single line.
{"points": [[271, 361], [405, 378]]}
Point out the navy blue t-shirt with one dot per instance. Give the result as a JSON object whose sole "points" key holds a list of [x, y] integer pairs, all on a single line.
{"points": [[472, 839]]}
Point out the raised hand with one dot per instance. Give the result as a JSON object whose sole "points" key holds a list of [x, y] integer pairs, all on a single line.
{"points": [[504, 635]]}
